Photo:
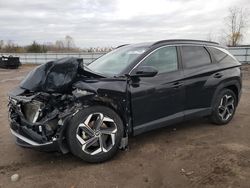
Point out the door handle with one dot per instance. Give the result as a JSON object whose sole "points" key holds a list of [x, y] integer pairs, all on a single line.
{"points": [[218, 75], [177, 85]]}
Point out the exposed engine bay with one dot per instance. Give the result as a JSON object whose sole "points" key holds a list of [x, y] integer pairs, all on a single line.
{"points": [[41, 107], [40, 116]]}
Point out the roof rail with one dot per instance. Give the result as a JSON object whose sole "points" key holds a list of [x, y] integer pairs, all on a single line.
{"points": [[121, 46], [184, 40]]}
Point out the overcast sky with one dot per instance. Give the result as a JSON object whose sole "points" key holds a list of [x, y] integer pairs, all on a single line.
{"points": [[113, 22]]}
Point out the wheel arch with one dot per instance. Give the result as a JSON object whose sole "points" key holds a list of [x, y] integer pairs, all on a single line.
{"points": [[63, 130], [235, 89], [116, 108], [233, 85]]}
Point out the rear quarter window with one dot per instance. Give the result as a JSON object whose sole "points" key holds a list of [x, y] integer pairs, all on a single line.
{"points": [[222, 56], [194, 56]]}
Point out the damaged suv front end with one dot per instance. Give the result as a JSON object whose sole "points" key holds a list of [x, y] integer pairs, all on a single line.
{"points": [[38, 109], [42, 106]]}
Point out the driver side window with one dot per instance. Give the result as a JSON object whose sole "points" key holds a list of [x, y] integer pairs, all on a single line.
{"points": [[163, 59]]}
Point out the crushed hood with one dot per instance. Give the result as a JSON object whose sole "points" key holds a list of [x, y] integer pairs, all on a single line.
{"points": [[55, 76]]}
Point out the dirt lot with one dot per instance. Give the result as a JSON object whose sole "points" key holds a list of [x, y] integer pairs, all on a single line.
{"points": [[190, 154]]}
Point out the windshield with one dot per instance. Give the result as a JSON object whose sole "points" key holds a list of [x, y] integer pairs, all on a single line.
{"points": [[115, 62]]}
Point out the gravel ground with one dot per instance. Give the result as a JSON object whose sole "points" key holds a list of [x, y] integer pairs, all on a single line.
{"points": [[190, 154]]}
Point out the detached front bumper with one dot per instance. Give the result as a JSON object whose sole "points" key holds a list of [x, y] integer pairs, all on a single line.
{"points": [[28, 143], [27, 138]]}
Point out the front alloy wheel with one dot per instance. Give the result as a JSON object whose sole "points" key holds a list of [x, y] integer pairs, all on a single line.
{"points": [[94, 134]]}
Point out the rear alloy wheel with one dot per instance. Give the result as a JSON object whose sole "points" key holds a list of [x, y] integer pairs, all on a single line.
{"points": [[224, 107], [95, 134]]}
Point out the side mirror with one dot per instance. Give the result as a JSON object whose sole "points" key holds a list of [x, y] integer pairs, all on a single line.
{"points": [[144, 71]]}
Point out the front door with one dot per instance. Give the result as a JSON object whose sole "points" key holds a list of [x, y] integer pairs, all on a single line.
{"points": [[159, 99]]}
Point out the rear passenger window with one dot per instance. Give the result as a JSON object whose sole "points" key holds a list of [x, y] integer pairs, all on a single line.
{"points": [[194, 56], [220, 56]]}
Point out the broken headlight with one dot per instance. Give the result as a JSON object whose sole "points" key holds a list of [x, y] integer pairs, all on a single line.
{"points": [[81, 93]]}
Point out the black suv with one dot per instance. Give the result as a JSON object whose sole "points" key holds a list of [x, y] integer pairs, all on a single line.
{"points": [[91, 110]]}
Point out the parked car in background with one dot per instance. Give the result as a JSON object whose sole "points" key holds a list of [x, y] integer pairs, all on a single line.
{"points": [[92, 110], [9, 62]]}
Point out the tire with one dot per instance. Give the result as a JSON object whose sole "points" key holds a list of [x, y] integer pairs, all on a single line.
{"points": [[94, 140], [224, 107]]}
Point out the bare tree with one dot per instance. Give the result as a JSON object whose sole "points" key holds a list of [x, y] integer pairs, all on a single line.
{"points": [[236, 23], [69, 42], [59, 44], [1, 44], [10, 43]]}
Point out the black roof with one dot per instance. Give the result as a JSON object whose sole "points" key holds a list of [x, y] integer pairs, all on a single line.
{"points": [[174, 41], [184, 41]]}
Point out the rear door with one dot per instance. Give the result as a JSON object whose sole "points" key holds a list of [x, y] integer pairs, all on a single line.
{"points": [[199, 73]]}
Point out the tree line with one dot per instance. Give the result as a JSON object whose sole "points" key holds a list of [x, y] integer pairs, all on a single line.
{"points": [[66, 45], [59, 46]]}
